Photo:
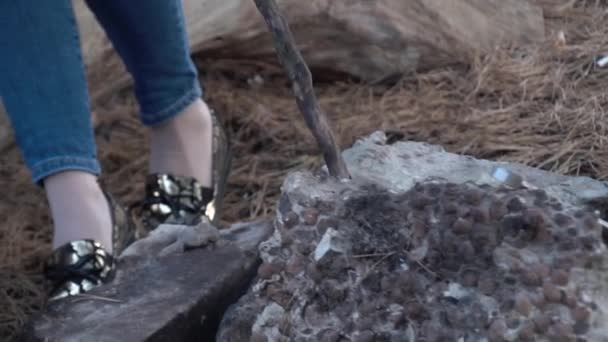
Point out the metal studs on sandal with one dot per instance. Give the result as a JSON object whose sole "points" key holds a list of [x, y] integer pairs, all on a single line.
{"points": [[79, 266], [174, 199]]}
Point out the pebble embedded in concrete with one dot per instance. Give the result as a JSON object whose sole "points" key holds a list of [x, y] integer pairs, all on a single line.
{"points": [[357, 263], [330, 245], [477, 255]]}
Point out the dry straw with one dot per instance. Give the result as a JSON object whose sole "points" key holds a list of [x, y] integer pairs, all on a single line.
{"points": [[542, 106]]}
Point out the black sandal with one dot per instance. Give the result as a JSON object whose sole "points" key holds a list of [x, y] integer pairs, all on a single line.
{"points": [[173, 199], [81, 265]]}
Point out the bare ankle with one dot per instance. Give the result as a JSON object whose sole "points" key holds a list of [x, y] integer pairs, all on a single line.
{"points": [[200, 110], [79, 208], [182, 146], [196, 116]]}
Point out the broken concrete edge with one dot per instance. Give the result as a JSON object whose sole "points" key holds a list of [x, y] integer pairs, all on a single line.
{"points": [[247, 240], [365, 158], [183, 317], [201, 323], [374, 162], [260, 316]]}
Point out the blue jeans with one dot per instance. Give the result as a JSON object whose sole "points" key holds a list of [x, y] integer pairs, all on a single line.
{"points": [[42, 78]]}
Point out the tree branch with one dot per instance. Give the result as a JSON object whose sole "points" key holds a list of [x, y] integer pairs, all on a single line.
{"points": [[301, 79]]}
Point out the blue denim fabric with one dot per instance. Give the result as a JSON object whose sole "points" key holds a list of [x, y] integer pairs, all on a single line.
{"points": [[42, 79]]}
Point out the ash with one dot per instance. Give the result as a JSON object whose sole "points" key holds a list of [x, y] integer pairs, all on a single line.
{"points": [[442, 262]]}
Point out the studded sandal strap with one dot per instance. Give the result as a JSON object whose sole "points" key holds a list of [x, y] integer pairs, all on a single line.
{"points": [[77, 267], [175, 199]]}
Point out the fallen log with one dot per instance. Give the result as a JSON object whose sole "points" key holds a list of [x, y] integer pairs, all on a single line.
{"points": [[370, 40]]}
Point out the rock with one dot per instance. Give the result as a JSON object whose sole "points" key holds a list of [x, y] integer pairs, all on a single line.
{"points": [[171, 239], [581, 314], [330, 246], [267, 270], [552, 293], [497, 331], [560, 277], [462, 226], [398, 228], [561, 332], [310, 216], [530, 277], [267, 322], [541, 323], [160, 295], [523, 304], [526, 333], [455, 291], [486, 285], [400, 166]]}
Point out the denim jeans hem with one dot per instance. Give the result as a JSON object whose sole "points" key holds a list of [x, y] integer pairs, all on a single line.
{"points": [[151, 119], [54, 165]]}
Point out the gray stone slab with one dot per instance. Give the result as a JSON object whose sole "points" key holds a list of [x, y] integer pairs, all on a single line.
{"points": [[497, 263], [177, 297], [399, 166]]}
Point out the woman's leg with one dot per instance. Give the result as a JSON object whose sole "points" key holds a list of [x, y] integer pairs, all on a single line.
{"points": [[151, 38], [42, 85]]}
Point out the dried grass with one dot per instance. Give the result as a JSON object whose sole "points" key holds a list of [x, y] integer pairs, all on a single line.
{"points": [[542, 106]]}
